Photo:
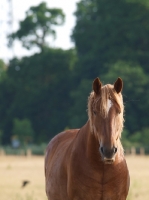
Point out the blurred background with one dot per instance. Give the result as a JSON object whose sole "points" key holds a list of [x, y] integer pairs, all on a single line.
{"points": [[51, 51]]}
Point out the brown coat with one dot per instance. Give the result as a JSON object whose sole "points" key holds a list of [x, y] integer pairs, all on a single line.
{"points": [[89, 163], [74, 171]]}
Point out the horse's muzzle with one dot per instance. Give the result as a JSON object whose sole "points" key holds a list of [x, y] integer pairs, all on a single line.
{"points": [[108, 155]]}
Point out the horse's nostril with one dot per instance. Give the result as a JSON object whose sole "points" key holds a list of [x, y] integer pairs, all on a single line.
{"points": [[108, 152]]}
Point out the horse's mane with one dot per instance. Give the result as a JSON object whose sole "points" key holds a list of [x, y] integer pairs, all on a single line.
{"points": [[106, 92]]}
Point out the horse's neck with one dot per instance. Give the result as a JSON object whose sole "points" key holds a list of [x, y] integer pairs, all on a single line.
{"points": [[88, 142]]}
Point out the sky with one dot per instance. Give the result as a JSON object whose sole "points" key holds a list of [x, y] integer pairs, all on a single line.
{"points": [[18, 13]]}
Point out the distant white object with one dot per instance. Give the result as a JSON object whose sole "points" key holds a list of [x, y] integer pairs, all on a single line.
{"points": [[15, 143]]}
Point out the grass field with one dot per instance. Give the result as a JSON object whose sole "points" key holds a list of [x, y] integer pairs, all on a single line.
{"points": [[139, 176], [14, 170]]}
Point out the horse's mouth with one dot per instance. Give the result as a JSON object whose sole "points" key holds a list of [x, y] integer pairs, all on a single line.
{"points": [[108, 161]]}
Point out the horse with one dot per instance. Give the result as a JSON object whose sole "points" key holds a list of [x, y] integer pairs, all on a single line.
{"points": [[89, 163]]}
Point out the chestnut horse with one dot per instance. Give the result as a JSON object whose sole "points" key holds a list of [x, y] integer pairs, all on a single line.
{"points": [[88, 163]]}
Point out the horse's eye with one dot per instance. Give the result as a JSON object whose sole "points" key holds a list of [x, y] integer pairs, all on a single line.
{"points": [[94, 112]]}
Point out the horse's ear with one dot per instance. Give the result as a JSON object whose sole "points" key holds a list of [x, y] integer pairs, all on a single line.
{"points": [[97, 86], [118, 85]]}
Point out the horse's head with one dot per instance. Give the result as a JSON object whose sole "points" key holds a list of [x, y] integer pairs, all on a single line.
{"points": [[105, 109]]}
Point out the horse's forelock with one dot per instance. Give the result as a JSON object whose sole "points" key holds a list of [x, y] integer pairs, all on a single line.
{"points": [[103, 101]]}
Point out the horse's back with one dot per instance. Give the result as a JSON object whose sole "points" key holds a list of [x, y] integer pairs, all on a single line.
{"points": [[57, 156]]}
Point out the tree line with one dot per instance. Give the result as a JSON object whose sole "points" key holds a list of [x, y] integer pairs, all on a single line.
{"points": [[47, 92]]}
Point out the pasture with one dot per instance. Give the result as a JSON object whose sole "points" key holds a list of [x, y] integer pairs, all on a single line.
{"points": [[15, 169]]}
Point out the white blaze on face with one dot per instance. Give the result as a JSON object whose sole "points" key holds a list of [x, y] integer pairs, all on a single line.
{"points": [[109, 104]]}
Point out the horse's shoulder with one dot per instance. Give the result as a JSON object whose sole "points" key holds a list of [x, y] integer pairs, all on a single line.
{"points": [[63, 136], [61, 140]]}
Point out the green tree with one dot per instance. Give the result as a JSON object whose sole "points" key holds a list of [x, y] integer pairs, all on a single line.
{"points": [[7, 93], [3, 69], [38, 24], [107, 31], [78, 112], [37, 88], [23, 130], [140, 138]]}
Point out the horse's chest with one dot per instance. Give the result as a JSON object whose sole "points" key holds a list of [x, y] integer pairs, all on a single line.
{"points": [[115, 184], [107, 184]]}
